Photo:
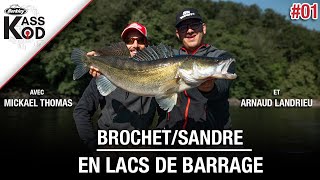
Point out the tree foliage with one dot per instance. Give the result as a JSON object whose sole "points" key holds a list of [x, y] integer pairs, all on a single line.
{"points": [[271, 52]]}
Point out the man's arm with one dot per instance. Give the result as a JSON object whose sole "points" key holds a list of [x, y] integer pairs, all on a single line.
{"points": [[83, 112]]}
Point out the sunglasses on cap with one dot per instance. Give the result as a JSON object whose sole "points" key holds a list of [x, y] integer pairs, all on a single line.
{"points": [[140, 40], [185, 27]]}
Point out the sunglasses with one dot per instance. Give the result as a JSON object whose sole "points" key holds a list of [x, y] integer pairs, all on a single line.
{"points": [[140, 40], [185, 27]]}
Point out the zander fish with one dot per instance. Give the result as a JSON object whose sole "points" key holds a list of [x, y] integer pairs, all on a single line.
{"points": [[154, 71]]}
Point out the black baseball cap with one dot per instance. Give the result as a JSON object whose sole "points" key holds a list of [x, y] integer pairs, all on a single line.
{"points": [[187, 13]]}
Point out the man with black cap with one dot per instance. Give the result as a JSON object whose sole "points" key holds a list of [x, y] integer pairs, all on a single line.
{"points": [[119, 110], [207, 106]]}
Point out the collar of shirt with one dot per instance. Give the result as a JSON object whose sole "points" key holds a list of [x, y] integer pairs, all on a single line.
{"points": [[196, 50]]}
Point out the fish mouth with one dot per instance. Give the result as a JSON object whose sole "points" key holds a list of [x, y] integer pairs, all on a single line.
{"points": [[226, 66]]}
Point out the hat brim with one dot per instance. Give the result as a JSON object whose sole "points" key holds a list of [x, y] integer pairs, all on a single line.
{"points": [[127, 30], [177, 24]]}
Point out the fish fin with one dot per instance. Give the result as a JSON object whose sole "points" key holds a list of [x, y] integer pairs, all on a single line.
{"points": [[104, 85], [151, 53], [116, 49], [167, 102], [77, 57]]}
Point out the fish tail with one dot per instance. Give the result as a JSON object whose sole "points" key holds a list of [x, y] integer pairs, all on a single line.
{"points": [[77, 56]]}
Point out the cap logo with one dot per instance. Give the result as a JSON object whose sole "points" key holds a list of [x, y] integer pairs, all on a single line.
{"points": [[186, 14]]}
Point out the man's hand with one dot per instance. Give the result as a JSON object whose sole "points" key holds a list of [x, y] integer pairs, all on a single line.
{"points": [[207, 86], [93, 70], [92, 53]]}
